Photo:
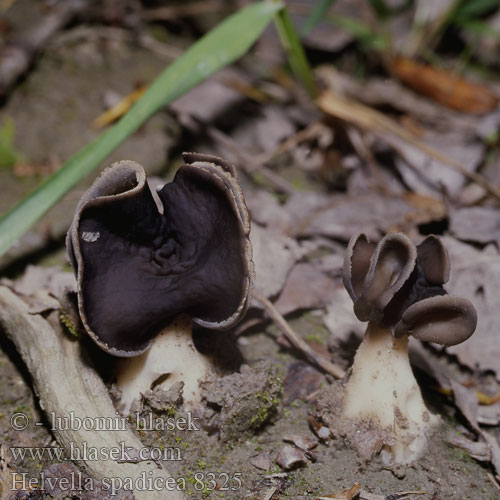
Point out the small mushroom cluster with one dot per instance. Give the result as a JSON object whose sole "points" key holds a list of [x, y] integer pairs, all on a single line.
{"points": [[150, 263], [397, 288]]}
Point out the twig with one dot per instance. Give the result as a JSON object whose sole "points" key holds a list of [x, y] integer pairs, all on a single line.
{"points": [[368, 118], [359, 144], [297, 341], [493, 480], [16, 56], [248, 163], [310, 132]]}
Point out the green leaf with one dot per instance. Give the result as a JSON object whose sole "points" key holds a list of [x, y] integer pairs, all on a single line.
{"points": [[224, 44]]}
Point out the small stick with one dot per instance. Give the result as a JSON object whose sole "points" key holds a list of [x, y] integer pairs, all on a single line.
{"points": [[297, 341], [249, 164], [310, 132]]}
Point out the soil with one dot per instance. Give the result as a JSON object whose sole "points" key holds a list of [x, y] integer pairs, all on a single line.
{"points": [[207, 455]]}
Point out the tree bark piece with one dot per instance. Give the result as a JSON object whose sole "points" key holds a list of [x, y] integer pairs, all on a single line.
{"points": [[65, 382]]}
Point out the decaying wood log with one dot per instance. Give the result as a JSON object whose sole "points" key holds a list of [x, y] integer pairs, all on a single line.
{"points": [[64, 383]]}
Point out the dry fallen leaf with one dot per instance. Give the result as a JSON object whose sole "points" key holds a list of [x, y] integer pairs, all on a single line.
{"points": [[480, 224], [301, 381], [306, 287], [475, 275], [444, 87], [344, 215], [429, 175], [273, 255], [119, 109]]}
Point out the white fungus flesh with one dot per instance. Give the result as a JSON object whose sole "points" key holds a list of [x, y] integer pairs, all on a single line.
{"points": [[172, 358], [382, 389]]}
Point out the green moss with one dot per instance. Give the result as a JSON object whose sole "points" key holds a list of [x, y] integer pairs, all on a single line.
{"points": [[69, 325], [201, 464], [170, 411], [457, 455], [315, 337], [261, 417]]}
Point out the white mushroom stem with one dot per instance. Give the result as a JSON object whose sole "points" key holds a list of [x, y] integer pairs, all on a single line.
{"points": [[171, 358], [382, 390]]}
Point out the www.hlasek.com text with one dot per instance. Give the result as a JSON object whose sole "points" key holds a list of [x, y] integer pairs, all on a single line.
{"points": [[85, 453]]}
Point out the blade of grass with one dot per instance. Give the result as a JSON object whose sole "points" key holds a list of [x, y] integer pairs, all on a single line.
{"points": [[473, 9], [295, 51], [225, 43], [318, 13], [364, 33]]}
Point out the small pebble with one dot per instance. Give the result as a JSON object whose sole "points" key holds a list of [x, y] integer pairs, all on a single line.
{"points": [[290, 458], [262, 461], [323, 433], [302, 442]]}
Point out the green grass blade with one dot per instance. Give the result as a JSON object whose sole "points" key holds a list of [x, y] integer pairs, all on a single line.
{"points": [[224, 44], [318, 13], [364, 33], [473, 9], [295, 51]]}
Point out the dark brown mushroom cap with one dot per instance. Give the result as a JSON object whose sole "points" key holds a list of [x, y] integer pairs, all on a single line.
{"points": [[356, 264], [445, 320], [138, 268], [390, 265], [399, 286], [433, 257]]}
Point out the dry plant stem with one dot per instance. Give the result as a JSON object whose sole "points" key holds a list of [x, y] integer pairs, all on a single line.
{"points": [[382, 390], [358, 141], [370, 119], [16, 57], [65, 383], [249, 164], [310, 132], [297, 341]]}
